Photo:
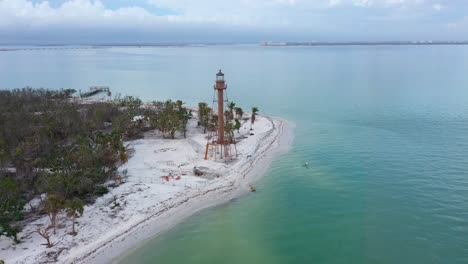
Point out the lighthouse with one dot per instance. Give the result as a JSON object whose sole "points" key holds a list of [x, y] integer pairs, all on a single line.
{"points": [[217, 140], [220, 86]]}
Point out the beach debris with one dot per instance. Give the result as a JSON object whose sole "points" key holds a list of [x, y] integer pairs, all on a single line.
{"points": [[164, 150], [182, 164], [118, 179], [138, 118], [205, 173], [199, 170], [114, 201], [169, 177]]}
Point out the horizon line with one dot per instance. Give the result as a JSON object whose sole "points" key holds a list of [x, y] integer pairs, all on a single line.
{"points": [[262, 43]]}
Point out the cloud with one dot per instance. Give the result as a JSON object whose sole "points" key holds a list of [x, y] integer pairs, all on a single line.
{"points": [[75, 13], [158, 18], [89, 13]]}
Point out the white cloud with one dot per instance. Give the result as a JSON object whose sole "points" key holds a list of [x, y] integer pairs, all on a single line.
{"points": [[74, 13], [309, 16], [89, 13]]}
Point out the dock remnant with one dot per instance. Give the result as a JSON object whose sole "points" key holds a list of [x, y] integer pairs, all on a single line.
{"points": [[93, 90]]}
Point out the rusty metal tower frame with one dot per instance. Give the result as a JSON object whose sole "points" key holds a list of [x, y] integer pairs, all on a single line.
{"points": [[217, 140]]}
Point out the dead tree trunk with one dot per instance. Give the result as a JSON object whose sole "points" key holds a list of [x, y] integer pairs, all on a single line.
{"points": [[46, 235]]}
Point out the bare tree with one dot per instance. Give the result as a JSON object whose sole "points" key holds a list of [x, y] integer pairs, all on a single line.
{"points": [[46, 233]]}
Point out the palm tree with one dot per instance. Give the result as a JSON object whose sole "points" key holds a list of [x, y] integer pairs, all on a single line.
{"points": [[179, 103], [254, 115], [201, 110], [237, 125], [204, 113], [170, 120], [74, 209], [186, 115], [239, 112], [228, 116], [229, 129], [231, 107]]}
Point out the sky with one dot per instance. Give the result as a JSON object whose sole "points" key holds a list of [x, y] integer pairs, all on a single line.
{"points": [[226, 21]]}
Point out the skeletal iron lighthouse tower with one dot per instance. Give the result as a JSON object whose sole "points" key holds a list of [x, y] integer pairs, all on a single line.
{"points": [[220, 86], [219, 142]]}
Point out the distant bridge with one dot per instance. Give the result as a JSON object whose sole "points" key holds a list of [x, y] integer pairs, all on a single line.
{"points": [[50, 48]]}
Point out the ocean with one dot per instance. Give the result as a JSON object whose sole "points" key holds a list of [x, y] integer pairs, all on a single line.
{"points": [[384, 130]]}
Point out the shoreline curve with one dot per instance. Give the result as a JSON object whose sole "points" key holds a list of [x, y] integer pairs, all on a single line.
{"points": [[275, 142]]}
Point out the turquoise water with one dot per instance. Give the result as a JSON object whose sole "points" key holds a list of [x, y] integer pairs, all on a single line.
{"points": [[384, 129]]}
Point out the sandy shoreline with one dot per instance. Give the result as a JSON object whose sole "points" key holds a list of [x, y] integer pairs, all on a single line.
{"points": [[218, 194], [106, 240]]}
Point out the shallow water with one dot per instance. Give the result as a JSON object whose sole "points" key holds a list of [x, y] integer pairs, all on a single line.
{"points": [[384, 129]]}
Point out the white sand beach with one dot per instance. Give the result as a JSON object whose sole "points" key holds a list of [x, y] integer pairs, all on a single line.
{"points": [[160, 189]]}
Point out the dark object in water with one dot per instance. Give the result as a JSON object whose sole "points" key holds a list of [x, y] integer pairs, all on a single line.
{"points": [[252, 189]]}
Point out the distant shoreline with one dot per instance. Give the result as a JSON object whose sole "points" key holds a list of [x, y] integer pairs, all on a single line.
{"points": [[20, 47], [365, 43]]}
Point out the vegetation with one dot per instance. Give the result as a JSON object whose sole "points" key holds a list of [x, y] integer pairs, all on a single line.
{"points": [[63, 151], [45, 233], [204, 113], [11, 205], [239, 112], [50, 144], [54, 204], [169, 117], [231, 106], [254, 115], [74, 209], [184, 114], [232, 118], [237, 125]]}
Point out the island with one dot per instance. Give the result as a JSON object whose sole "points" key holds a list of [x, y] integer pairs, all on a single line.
{"points": [[162, 174]]}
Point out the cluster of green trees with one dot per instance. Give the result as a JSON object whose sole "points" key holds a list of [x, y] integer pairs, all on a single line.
{"points": [[50, 144], [169, 117], [11, 206], [204, 116]]}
